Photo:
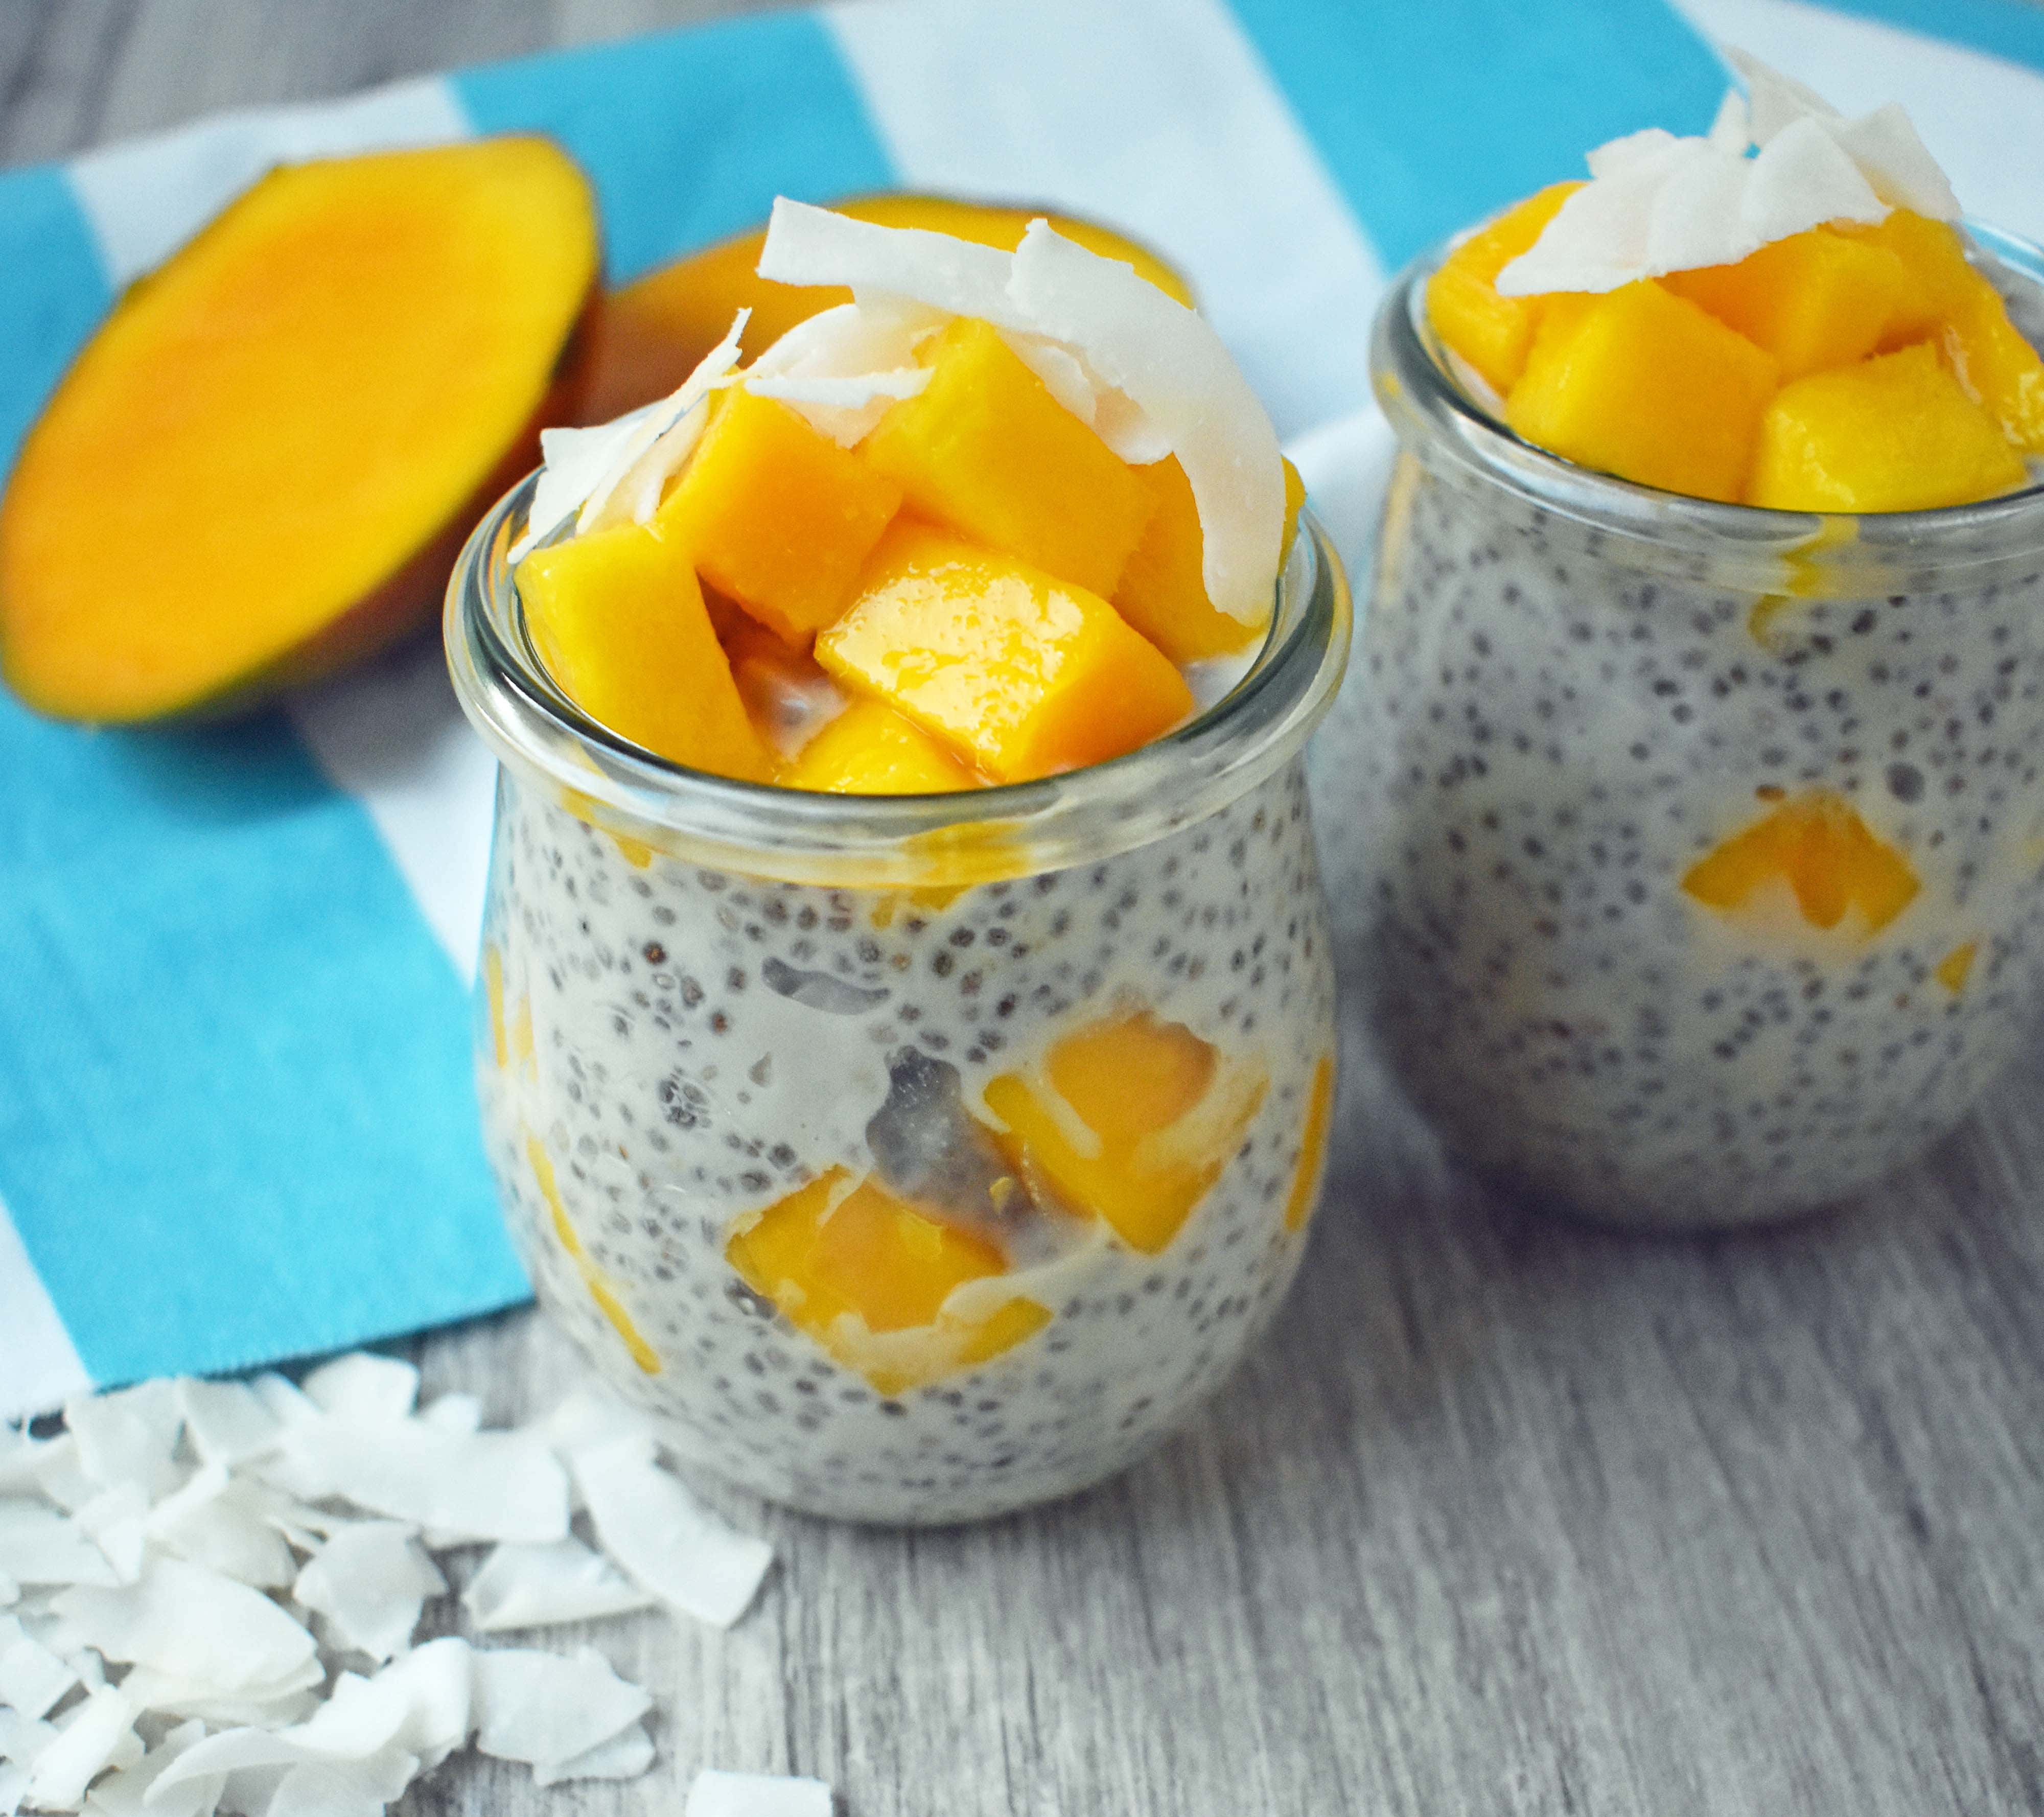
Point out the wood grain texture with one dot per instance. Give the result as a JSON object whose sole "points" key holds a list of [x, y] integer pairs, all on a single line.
{"points": [[1505, 1515]]}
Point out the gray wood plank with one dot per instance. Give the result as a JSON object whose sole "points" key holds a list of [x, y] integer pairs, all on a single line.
{"points": [[1505, 1515]]}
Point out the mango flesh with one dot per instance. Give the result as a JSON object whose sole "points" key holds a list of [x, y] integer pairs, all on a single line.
{"points": [[1813, 300], [1312, 1145], [777, 516], [985, 449], [870, 749], [656, 330], [619, 621], [1645, 385], [1159, 1115], [265, 460], [1492, 332], [851, 1264], [1957, 306], [1826, 854], [1020, 674], [1163, 592], [1896, 433]]}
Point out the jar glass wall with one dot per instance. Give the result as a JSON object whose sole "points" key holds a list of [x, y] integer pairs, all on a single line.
{"points": [[1704, 841], [915, 1159]]}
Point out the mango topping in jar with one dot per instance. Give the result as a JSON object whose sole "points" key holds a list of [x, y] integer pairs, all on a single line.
{"points": [[1702, 747], [904, 896]]}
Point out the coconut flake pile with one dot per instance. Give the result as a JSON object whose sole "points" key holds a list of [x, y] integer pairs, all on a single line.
{"points": [[209, 1593], [1656, 203], [1148, 374]]}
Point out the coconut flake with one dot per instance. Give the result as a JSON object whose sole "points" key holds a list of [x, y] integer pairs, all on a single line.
{"points": [[122, 1794], [1169, 362], [38, 1545], [455, 1413], [664, 1539], [583, 467], [1656, 203], [129, 1436], [549, 1708], [99, 1734], [625, 1755], [465, 1486], [718, 1794], [275, 1707], [10, 1592], [190, 1623], [226, 1421], [33, 1679], [210, 1522], [363, 1387], [531, 1586], [807, 245], [114, 1519], [371, 1580], [844, 368]]}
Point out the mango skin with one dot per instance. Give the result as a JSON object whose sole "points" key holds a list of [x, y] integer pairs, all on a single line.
{"points": [[656, 328]]}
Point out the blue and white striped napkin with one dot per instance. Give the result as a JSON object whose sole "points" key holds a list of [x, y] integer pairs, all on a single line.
{"points": [[236, 1118]]}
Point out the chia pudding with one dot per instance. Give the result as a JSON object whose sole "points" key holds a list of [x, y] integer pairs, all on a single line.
{"points": [[708, 1004], [1595, 721]]}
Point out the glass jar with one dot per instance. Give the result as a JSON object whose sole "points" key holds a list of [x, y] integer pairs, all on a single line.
{"points": [[915, 1159], [1703, 842]]}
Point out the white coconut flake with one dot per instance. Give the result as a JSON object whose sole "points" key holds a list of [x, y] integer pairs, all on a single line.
{"points": [[371, 1580], [39, 1545], [10, 1592], [844, 368], [589, 1417], [625, 1755], [32, 1678], [20, 1456], [664, 1539], [1169, 362], [532, 1586], [364, 1388], [463, 1486], [717, 1794], [548, 1708], [350, 1789], [268, 1706], [122, 1794], [129, 1436], [1656, 203], [227, 1422], [455, 1413], [99, 1734], [113, 1519], [807, 245], [189, 1622], [422, 1703], [210, 1522]]}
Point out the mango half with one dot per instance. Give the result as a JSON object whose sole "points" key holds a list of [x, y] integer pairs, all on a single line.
{"points": [[263, 463]]}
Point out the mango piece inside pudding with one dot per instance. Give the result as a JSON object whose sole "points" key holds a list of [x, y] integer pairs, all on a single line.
{"points": [[870, 1277], [1130, 1119], [1826, 853]]}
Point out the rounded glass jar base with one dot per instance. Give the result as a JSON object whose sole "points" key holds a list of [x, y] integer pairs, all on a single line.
{"points": [[1705, 844]]}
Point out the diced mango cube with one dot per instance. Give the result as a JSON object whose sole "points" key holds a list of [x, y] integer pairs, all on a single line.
{"points": [[1648, 386], [619, 621], [1132, 1120], [870, 749], [1468, 315], [1163, 591], [776, 516], [1021, 675], [1826, 853], [1894, 433], [1815, 300], [867, 1276], [986, 449], [1955, 304]]}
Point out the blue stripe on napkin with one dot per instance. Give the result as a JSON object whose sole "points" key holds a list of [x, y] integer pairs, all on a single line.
{"points": [[690, 136], [1441, 112], [237, 1122]]}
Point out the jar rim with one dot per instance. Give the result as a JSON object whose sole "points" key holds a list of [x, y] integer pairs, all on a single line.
{"points": [[986, 834], [1839, 553]]}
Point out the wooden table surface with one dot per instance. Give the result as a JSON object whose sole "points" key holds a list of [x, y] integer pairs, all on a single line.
{"points": [[1505, 1515]]}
